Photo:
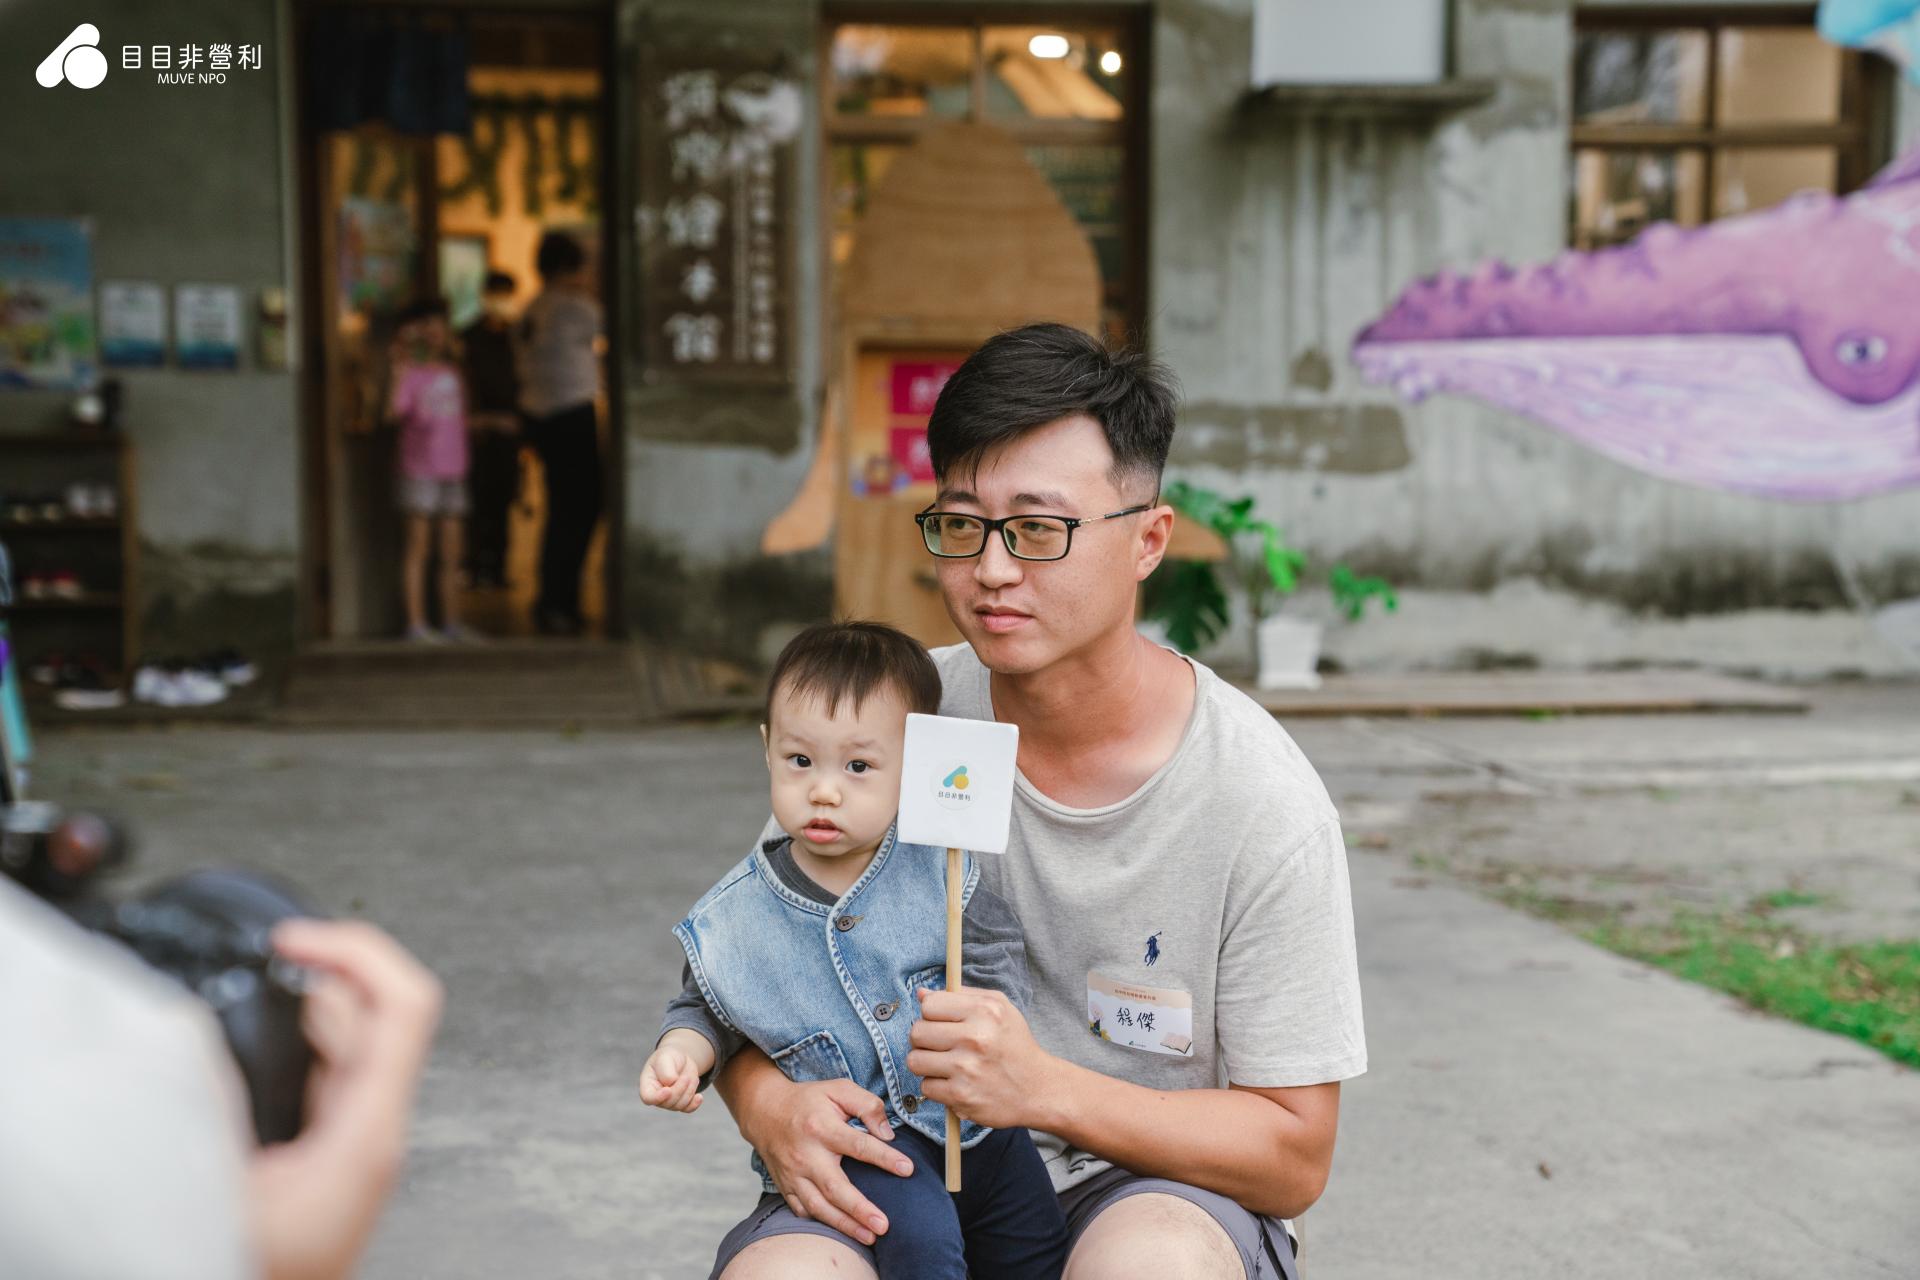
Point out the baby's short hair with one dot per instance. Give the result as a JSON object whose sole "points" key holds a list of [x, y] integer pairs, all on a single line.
{"points": [[835, 661]]}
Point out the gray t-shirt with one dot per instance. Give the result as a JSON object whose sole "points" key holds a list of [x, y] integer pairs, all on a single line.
{"points": [[1197, 932], [554, 353]]}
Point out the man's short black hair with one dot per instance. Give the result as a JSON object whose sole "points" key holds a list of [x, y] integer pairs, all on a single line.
{"points": [[838, 661], [499, 282], [1041, 373], [559, 254]]}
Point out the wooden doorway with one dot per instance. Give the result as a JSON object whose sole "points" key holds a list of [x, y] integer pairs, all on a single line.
{"points": [[388, 216]]}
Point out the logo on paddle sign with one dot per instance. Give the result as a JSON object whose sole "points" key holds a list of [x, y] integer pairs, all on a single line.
{"points": [[956, 783]]}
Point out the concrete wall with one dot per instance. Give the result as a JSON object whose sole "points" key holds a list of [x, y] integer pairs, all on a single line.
{"points": [[184, 185], [1272, 242], [1275, 242], [705, 469]]}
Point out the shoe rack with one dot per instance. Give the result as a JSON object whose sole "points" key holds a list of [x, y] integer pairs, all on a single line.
{"points": [[95, 611]]}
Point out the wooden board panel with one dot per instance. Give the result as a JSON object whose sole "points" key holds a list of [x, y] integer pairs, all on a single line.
{"points": [[882, 572]]}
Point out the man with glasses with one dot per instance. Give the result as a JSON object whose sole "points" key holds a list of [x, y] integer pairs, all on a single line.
{"points": [[1176, 862]]}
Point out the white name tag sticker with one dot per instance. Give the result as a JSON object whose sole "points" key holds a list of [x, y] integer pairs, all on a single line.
{"points": [[1156, 1019], [956, 783]]}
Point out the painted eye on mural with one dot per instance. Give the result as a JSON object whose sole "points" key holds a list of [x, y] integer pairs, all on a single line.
{"points": [[1861, 349]]}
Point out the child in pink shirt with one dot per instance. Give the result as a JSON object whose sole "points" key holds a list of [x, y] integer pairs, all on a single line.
{"points": [[429, 404]]}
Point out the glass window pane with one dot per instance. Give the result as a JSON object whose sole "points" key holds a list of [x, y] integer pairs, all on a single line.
{"points": [[1055, 72], [1087, 178], [1777, 75], [857, 170], [902, 71], [1640, 77], [1617, 193], [1749, 178]]}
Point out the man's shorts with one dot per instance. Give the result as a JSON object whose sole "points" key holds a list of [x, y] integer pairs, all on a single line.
{"points": [[425, 496], [1266, 1250]]}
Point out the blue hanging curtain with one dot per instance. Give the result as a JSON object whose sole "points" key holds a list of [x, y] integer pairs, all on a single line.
{"points": [[366, 65]]}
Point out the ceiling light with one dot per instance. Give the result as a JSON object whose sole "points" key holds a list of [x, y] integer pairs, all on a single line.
{"points": [[1048, 46], [1110, 62]]}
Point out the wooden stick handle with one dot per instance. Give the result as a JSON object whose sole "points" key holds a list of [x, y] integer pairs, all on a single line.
{"points": [[953, 984]]}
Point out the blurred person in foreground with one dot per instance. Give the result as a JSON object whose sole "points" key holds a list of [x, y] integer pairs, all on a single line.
{"points": [[128, 1154]]}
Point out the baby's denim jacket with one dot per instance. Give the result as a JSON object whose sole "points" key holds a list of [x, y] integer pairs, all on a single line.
{"points": [[828, 992]]}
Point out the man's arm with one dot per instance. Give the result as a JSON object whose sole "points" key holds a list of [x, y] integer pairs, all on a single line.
{"points": [[801, 1133], [1287, 1008], [1267, 1149]]}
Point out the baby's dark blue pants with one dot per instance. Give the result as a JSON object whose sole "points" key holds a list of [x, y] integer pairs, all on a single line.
{"points": [[1004, 1223]]}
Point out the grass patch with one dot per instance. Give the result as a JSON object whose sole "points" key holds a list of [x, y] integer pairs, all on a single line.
{"points": [[1782, 898], [1867, 991]]}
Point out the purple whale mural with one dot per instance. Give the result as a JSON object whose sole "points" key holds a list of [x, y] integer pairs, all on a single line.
{"points": [[1775, 354]]}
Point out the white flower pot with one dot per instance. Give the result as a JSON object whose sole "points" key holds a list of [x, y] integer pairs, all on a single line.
{"points": [[1288, 653]]}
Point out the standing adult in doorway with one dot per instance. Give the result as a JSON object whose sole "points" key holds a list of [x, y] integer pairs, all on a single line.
{"points": [[559, 366], [493, 413]]}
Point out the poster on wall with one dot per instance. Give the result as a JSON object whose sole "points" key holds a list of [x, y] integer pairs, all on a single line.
{"points": [[377, 251], [133, 324], [46, 303], [898, 391], [206, 326], [463, 277]]}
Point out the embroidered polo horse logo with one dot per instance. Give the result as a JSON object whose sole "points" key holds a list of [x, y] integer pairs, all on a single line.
{"points": [[1153, 949]]}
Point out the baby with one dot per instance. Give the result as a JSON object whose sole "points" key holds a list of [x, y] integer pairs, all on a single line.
{"points": [[814, 947]]}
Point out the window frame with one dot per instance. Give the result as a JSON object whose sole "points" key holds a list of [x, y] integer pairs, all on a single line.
{"points": [[1850, 137], [1129, 133]]}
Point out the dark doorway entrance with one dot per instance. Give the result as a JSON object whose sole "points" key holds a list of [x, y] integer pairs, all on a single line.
{"points": [[394, 210]]}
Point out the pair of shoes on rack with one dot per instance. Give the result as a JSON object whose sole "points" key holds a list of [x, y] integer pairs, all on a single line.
{"points": [[177, 683], [83, 686], [61, 584], [92, 502], [32, 508], [233, 667]]}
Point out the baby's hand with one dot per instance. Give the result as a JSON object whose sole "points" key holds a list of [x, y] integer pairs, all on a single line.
{"points": [[669, 1080]]}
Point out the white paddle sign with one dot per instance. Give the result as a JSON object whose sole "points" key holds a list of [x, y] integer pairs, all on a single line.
{"points": [[956, 792]]}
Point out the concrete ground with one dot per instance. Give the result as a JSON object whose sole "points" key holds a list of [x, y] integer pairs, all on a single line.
{"points": [[1535, 1107]]}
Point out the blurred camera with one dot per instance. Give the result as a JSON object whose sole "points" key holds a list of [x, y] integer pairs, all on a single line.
{"points": [[208, 930]]}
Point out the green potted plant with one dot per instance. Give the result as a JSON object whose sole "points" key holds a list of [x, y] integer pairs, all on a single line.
{"points": [[1188, 598]]}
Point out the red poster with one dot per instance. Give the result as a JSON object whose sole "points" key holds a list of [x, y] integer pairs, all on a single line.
{"points": [[916, 385], [909, 449]]}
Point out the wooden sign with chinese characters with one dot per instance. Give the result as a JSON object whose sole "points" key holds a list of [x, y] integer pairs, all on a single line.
{"points": [[717, 133]]}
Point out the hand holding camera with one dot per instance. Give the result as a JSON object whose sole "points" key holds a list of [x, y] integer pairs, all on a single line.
{"points": [[329, 1022]]}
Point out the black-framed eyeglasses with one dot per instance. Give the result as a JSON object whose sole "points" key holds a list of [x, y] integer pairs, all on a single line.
{"points": [[952, 535]]}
